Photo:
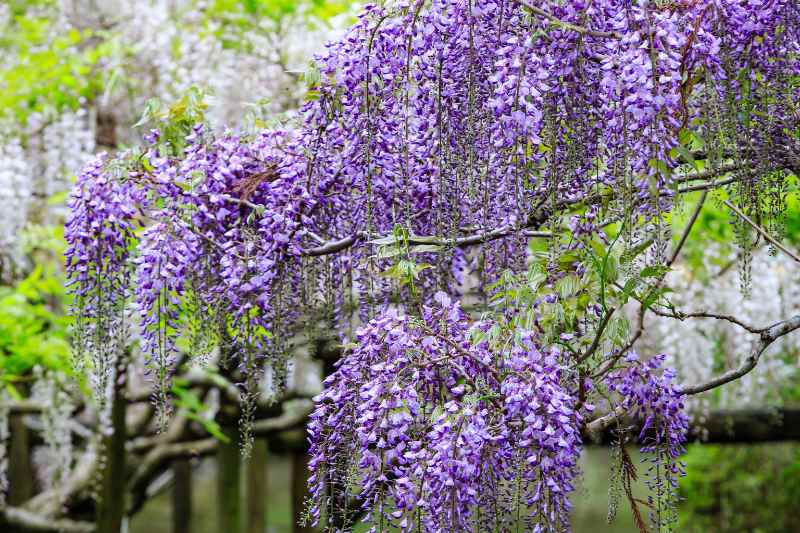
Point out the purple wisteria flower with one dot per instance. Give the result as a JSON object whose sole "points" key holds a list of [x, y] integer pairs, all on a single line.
{"points": [[422, 428], [99, 231], [650, 394], [463, 124]]}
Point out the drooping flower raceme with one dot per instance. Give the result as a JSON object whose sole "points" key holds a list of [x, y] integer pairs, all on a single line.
{"points": [[651, 395], [57, 456], [427, 431], [99, 232], [167, 258]]}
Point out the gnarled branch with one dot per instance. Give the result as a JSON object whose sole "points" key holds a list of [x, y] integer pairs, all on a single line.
{"points": [[23, 520], [768, 336]]}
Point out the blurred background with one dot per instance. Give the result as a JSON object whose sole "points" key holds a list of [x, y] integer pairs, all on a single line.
{"points": [[78, 77]]}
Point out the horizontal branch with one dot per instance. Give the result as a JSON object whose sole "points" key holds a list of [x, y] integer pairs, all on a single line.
{"points": [[255, 207], [190, 379], [23, 407], [596, 427], [709, 174], [24, 521], [712, 175], [705, 314], [332, 247], [727, 426], [767, 337], [707, 186], [568, 25], [478, 237]]}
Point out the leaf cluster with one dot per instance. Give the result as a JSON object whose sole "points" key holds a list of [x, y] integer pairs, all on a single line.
{"points": [[33, 328], [46, 71]]}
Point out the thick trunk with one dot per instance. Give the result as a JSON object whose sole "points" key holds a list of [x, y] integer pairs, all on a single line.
{"points": [[229, 497], [182, 496], [20, 468], [111, 507], [257, 487], [299, 489]]}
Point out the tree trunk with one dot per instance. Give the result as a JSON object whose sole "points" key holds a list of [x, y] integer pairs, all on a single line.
{"points": [[299, 489], [228, 482], [20, 468], [182, 496], [111, 507], [257, 487], [105, 129]]}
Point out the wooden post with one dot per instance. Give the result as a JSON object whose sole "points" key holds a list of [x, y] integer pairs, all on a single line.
{"points": [[228, 482], [182, 496], [111, 507], [20, 468], [299, 488], [257, 487]]}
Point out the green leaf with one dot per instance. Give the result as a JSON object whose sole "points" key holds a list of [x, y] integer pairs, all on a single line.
{"points": [[568, 260], [660, 166], [568, 286], [630, 254], [654, 271], [535, 279], [687, 156], [653, 296], [251, 6], [628, 290], [389, 239], [611, 270], [151, 109], [617, 330], [196, 410], [425, 248], [386, 252]]}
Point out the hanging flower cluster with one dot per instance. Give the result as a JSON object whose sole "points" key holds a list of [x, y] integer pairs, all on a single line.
{"points": [[651, 395], [435, 127], [493, 114], [167, 258], [427, 431], [14, 169], [100, 230], [220, 248]]}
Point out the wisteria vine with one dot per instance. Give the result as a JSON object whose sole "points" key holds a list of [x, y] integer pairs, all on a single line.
{"points": [[442, 137]]}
